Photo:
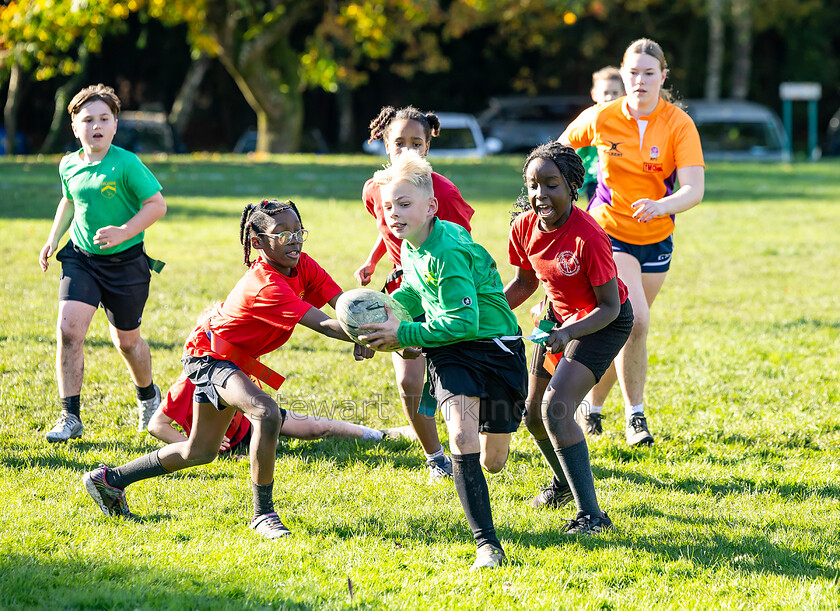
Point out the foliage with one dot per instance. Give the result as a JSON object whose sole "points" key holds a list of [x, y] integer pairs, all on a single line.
{"points": [[736, 506], [44, 35]]}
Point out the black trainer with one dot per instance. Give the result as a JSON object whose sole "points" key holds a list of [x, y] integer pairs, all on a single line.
{"points": [[637, 431], [590, 423], [553, 496], [584, 524]]}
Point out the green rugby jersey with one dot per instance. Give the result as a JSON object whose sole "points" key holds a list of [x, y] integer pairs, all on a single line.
{"points": [[454, 281], [107, 192]]}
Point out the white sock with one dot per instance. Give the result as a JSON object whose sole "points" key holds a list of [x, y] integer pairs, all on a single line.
{"points": [[632, 410], [437, 454], [596, 409], [371, 434]]}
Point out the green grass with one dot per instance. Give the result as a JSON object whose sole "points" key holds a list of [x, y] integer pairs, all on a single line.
{"points": [[736, 506]]}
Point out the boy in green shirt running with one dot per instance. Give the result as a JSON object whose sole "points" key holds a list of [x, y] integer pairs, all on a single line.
{"points": [[476, 359], [109, 199]]}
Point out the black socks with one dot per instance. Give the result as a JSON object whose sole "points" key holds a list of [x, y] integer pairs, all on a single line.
{"points": [[144, 394], [575, 461], [474, 497], [140, 468], [71, 405], [263, 499]]}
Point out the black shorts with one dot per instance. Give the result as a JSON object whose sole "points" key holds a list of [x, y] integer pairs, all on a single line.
{"points": [[596, 350], [482, 369], [119, 282]]}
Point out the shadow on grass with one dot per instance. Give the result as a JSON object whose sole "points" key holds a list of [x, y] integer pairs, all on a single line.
{"points": [[736, 485], [78, 583]]}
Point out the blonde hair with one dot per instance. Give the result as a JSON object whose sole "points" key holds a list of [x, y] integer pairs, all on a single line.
{"points": [[646, 46], [411, 168], [92, 94]]}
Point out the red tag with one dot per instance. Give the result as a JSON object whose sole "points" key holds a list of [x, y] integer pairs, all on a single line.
{"points": [[653, 167]]}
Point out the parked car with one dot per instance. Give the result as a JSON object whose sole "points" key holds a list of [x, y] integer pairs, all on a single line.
{"points": [[144, 132], [520, 122], [736, 130], [460, 136], [21, 142]]}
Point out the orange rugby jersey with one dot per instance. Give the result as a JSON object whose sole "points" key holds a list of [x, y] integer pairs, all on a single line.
{"points": [[632, 168]]}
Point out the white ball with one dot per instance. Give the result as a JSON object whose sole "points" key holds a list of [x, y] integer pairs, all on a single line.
{"points": [[362, 306]]}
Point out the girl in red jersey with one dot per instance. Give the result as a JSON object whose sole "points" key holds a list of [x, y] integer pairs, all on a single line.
{"points": [[554, 243], [645, 144], [282, 288], [401, 130]]}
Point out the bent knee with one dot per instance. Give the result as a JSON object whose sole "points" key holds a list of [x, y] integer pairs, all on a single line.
{"points": [[493, 464], [265, 414], [195, 456]]}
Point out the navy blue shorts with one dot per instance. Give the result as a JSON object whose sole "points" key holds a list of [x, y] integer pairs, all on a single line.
{"points": [[654, 258], [120, 282]]}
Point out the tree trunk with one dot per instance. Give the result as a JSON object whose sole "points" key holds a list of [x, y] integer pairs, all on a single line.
{"points": [[53, 142], [742, 66], [184, 103], [272, 89], [12, 104], [346, 118], [716, 43]]}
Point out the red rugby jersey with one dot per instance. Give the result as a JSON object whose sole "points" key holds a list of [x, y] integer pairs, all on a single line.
{"points": [[569, 260], [263, 308]]}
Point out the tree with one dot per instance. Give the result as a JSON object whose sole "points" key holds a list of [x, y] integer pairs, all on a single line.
{"points": [[47, 38]]}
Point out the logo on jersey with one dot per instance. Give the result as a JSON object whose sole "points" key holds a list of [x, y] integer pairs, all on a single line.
{"points": [[652, 167], [467, 301], [108, 189], [654, 153], [567, 263], [430, 280], [613, 150]]}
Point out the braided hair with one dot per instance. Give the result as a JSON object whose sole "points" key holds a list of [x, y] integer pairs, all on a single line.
{"points": [[566, 160], [257, 218], [379, 126]]}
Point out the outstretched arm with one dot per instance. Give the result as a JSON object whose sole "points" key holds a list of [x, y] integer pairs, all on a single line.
{"points": [[316, 320]]}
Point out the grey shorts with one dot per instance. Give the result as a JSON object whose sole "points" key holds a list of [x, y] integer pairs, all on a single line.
{"points": [[207, 372]]}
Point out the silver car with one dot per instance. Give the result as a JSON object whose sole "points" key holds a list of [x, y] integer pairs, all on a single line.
{"points": [[735, 130]]}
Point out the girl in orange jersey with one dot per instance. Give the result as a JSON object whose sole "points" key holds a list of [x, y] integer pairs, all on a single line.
{"points": [[645, 144]]}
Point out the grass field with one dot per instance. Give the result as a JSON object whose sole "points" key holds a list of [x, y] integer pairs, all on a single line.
{"points": [[736, 506]]}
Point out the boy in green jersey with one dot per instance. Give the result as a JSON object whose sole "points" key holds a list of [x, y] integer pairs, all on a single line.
{"points": [[109, 199], [476, 360]]}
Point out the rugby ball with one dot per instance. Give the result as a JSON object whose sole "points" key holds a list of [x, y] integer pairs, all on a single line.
{"points": [[359, 307]]}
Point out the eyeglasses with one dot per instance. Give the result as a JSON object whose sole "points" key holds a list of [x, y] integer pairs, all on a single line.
{"points": [[284, 237]]}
